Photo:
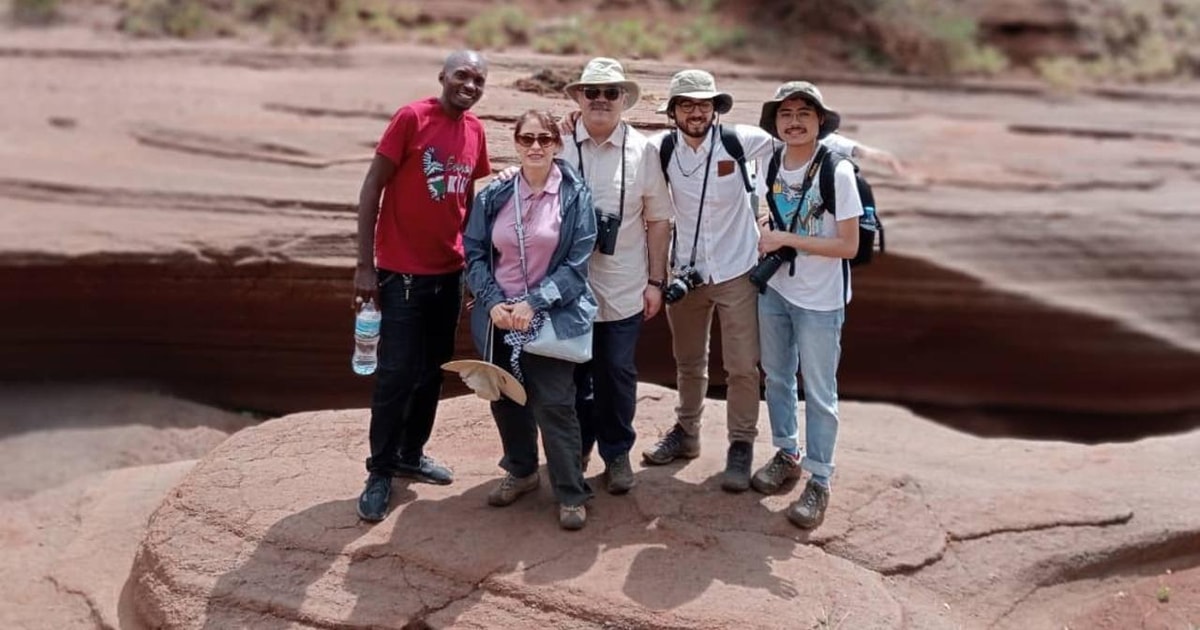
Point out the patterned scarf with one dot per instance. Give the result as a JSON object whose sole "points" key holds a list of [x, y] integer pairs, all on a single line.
{"points": [[516, 339]]}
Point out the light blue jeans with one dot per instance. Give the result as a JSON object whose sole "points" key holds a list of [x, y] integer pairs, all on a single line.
{"points": [[791, 337]]}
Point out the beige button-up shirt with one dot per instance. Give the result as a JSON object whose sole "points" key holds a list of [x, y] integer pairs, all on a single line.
{"points": [[619, 280]]}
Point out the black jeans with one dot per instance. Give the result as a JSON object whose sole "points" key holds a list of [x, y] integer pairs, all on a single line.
{"points": [[420, 317], [606, 388], [550, 408]]}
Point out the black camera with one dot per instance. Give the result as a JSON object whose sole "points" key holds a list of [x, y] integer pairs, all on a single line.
{"points": [[607, 227], [686, 280], [769, 264]]}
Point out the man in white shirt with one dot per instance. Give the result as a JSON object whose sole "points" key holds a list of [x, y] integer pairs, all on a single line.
{"points": [[716, 237], [629, 266], [802, 306]]}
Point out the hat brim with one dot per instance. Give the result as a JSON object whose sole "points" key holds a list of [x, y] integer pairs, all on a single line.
{"points": [[770, 109], [633, 92], [722, 101], [506, 383]]}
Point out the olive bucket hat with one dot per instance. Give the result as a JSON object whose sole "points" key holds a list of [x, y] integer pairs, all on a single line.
{"points": [[699, 85], [802, 90]]}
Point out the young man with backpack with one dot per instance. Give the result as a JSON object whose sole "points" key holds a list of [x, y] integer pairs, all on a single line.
{"points": [[813, 232], [714, 248]]}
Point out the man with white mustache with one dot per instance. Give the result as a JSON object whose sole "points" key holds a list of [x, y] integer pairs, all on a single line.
{"points": [[713, 250], [629, 267]]}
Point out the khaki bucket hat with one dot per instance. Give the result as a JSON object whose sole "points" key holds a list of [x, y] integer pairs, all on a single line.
{"points": [[803, 90], [487, 380], [699, 85], [605, 71]]}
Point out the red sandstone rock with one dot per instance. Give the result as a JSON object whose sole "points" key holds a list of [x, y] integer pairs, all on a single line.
{"points": [[65, 553], [928, 528], [194, 228]]}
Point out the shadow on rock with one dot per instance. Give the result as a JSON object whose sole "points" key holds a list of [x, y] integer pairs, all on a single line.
{"points": [[269, 590]]}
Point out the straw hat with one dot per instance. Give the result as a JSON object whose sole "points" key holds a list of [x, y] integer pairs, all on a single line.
{"points": [[699, 85], [487, 380], [605, 71], [806, 91]]}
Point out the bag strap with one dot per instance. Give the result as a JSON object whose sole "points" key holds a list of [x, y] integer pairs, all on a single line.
{"points": [[664, 154], [733, 146], [520, 231], [828, 193]]}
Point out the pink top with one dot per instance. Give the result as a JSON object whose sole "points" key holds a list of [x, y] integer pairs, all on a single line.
{"points": [[541, 213]]}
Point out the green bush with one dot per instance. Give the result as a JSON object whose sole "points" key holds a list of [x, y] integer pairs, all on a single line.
{"points": [[173, 18], [705, 37], [499, 28], [34, 11]]}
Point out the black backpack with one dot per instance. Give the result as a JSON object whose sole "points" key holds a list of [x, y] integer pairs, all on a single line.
{"points": [[869, 224], [729, 140]]}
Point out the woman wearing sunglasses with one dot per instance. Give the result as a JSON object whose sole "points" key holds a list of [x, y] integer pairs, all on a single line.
{"points": [[528, 240]]}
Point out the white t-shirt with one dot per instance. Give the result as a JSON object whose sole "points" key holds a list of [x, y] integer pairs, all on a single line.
{"points": [[817, 282]]}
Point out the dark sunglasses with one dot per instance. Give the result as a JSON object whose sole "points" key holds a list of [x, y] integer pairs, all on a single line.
{"points": [[610, 93], [542, 139]]}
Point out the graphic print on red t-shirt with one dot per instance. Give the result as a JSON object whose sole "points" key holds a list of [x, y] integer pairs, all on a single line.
{"points": [[424, 205]]}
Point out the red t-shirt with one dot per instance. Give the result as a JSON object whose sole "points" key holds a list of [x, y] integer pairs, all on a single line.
{"points": [[420, 224]]}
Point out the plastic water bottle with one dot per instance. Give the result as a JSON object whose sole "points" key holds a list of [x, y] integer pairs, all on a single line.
{"points": [[868, 221], [366, 339]]}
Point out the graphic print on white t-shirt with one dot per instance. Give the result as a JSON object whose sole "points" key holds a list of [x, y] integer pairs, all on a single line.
{"points": [[786, 191]]}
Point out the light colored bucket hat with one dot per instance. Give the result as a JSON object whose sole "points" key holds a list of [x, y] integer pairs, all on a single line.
{"points": [[699, 85], [803, 90], [605, 71], [487, 380]]}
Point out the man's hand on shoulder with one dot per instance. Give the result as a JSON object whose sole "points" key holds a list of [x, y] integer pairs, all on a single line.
{"points": [[881, 157]]}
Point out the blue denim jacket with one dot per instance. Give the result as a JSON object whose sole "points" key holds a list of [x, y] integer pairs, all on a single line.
{"points": [[564, 293]]}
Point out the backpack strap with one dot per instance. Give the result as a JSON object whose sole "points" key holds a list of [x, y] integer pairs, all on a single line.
{"points": [[829, 202], [664, 154], [733, 146], [772, 174], [828, 194]]}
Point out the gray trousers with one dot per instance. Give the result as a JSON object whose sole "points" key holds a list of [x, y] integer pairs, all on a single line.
{"points": [[550, 409]]}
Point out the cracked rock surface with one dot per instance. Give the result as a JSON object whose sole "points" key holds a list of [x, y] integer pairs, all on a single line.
{"points": [[928, 528]]}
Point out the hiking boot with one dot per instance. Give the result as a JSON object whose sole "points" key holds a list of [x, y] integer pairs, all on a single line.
{"points": [[373, 502], [780, 470], [738, 460], [511, 488], [428, 470], [809, 511], [676, 444], [620, 475], [572, 517]]}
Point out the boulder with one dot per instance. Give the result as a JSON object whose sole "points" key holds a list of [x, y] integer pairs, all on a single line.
{"points": [[927, 528], [65, 553]]}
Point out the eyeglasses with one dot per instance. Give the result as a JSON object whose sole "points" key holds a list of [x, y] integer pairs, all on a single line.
{"points": [[528, 139], [610, 93], [691, 106]]}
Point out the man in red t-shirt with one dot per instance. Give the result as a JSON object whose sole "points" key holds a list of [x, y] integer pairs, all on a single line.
{"points": [[410, 262]]}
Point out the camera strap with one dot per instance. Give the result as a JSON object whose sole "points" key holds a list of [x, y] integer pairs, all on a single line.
{"points": [[773, 167], [700, 211], [579, 152]]}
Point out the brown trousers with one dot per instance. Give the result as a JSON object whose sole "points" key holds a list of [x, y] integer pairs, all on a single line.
{"points": [[736, 305]]}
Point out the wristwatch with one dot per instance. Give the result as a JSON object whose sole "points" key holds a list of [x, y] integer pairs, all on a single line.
{"points": [[658, 284]]}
